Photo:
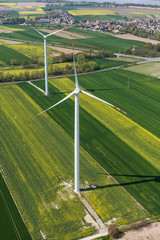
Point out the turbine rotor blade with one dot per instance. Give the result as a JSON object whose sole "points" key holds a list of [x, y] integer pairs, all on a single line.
{"points": [[55, 32], [72, 93], [38, 31], [111, 105], [75, 71]]}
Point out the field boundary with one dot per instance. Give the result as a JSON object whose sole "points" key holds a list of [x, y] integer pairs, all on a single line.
{"points": [[13, 198], [10, 216]]}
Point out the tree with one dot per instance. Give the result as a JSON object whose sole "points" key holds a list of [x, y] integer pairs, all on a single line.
{"points": [[113, 230], [158, 47], [63, 57], [2, 77], [81, 58]]}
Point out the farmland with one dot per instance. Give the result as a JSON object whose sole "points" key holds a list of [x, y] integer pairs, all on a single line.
{"points": [[99, 40], [91, 12], [151, 69], [41, 180], [120, 158], [7, 54], [12, 226], [30, 50]]}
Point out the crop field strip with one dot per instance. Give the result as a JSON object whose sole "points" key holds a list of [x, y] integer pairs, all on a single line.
{"points": [[7, 54], [151, 69], [12, 226], [30, 50], [36, 193], [91, 12]]}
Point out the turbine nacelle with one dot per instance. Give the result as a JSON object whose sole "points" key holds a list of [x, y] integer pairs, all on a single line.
{"points": [[77, 91]]}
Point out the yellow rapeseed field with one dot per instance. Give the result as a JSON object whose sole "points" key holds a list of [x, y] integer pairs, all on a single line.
{"points": [[91, 12], [7, 4], [10, 28]]}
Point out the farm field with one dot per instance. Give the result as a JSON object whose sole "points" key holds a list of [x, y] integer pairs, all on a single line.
{"points": [[41, 178], [91, 12], [7, 54], [31, 50], [151, 69], [113, 146], [12, 226], [133, 37], [105, 41], [99, 40], [107, 63]]}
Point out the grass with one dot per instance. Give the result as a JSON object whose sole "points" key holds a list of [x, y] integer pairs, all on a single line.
{"points": [[91, 12], [12, 226], [39, 169], [151, 69], [7, 54]]}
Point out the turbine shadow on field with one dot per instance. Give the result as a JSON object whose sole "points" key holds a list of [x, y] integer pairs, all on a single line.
{"points": [[89, 90], [152, 179], [101, 89]]}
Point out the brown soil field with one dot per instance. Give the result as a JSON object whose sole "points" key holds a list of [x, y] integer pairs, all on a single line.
{"points": [[5, 31], [133, 37], [11, 42], [34, 4], [148, 232], [65, 34], [65, 50]]}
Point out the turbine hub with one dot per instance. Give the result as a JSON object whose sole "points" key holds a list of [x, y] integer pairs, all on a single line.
{"points": [[77, 91]]}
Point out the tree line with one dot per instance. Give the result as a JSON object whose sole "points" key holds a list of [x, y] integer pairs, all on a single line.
{"points": [[84, 63], [149, 50]]}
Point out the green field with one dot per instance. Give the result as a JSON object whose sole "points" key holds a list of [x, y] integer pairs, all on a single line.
{"points": [[99, 40], [151, 69], [7, 54], [12, 226], [107, 63]]}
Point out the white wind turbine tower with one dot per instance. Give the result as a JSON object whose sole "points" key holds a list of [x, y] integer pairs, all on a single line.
{"points": [[76, 93], [45, 56]]}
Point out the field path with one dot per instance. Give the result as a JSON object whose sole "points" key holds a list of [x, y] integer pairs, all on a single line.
{"points": [[36, 87], [102, 227]]}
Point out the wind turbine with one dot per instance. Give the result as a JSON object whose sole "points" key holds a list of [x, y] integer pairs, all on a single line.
{"points": [[76, 93], [45, 55]]}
